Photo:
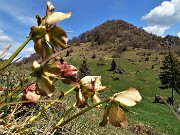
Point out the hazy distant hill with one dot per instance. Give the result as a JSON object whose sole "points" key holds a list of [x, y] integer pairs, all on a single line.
{"points": [[29, 59]]}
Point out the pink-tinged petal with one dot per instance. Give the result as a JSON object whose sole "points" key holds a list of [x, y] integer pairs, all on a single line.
{"points": [[116, 116], [32, 96], [68, 73], [128, 97], [57, 17], [30, 93], [32, 87]]}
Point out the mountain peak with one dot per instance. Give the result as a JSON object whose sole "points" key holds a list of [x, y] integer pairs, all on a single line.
{"points": [[120, 32]]}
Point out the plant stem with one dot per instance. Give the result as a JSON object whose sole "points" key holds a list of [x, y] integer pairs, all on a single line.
{"points": [[67, 112], [8, 62], [48, 106], [81, 112]]}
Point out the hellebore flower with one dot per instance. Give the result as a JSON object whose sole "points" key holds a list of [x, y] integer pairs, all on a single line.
{"points": [[48, 33], [88, 88], [68, 73], [30, 93], [49, 73], [114, 109], [45, 78]]}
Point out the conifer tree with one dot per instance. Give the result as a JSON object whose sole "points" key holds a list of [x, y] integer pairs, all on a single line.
{"points": [[113, 65], [84, 70], [170, 73]]}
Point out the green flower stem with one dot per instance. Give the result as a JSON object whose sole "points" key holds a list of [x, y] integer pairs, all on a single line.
{"points": [[67, 112], [8, 62], [48, 106], [3, 99], [81, 112]]}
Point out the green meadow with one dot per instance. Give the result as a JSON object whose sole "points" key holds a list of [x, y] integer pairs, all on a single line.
{"points": [[148, 117]]}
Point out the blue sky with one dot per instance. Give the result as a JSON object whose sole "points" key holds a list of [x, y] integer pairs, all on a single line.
{"points": [[17, 16]]}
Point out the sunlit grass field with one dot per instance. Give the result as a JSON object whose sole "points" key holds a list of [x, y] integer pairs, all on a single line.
{"points": [[156, 118], [148, 118]]}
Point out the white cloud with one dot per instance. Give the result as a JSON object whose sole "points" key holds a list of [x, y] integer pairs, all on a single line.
{"points": [[4, 37], [163, 17], [29, 49], [156, 29]]}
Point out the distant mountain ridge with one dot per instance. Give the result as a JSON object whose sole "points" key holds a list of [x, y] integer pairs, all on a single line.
{"points": [[114, 36], [119, 32]]}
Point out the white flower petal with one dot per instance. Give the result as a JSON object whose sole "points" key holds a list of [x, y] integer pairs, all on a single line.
{"points": [[57, 17], [36, 65], [128, 97]]}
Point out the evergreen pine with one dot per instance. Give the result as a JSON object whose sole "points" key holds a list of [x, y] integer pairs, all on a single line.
{"points": [[170, 74], [113, 65], [84, 70]]}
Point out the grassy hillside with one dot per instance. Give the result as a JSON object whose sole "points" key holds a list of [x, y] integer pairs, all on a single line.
{"points": [[141, 69], [152, 118], [139, 54]]}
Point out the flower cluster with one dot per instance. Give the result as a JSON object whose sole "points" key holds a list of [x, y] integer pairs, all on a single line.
{"points": [[48, 33], [50, 72], [47, 37], [88, 88]]}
